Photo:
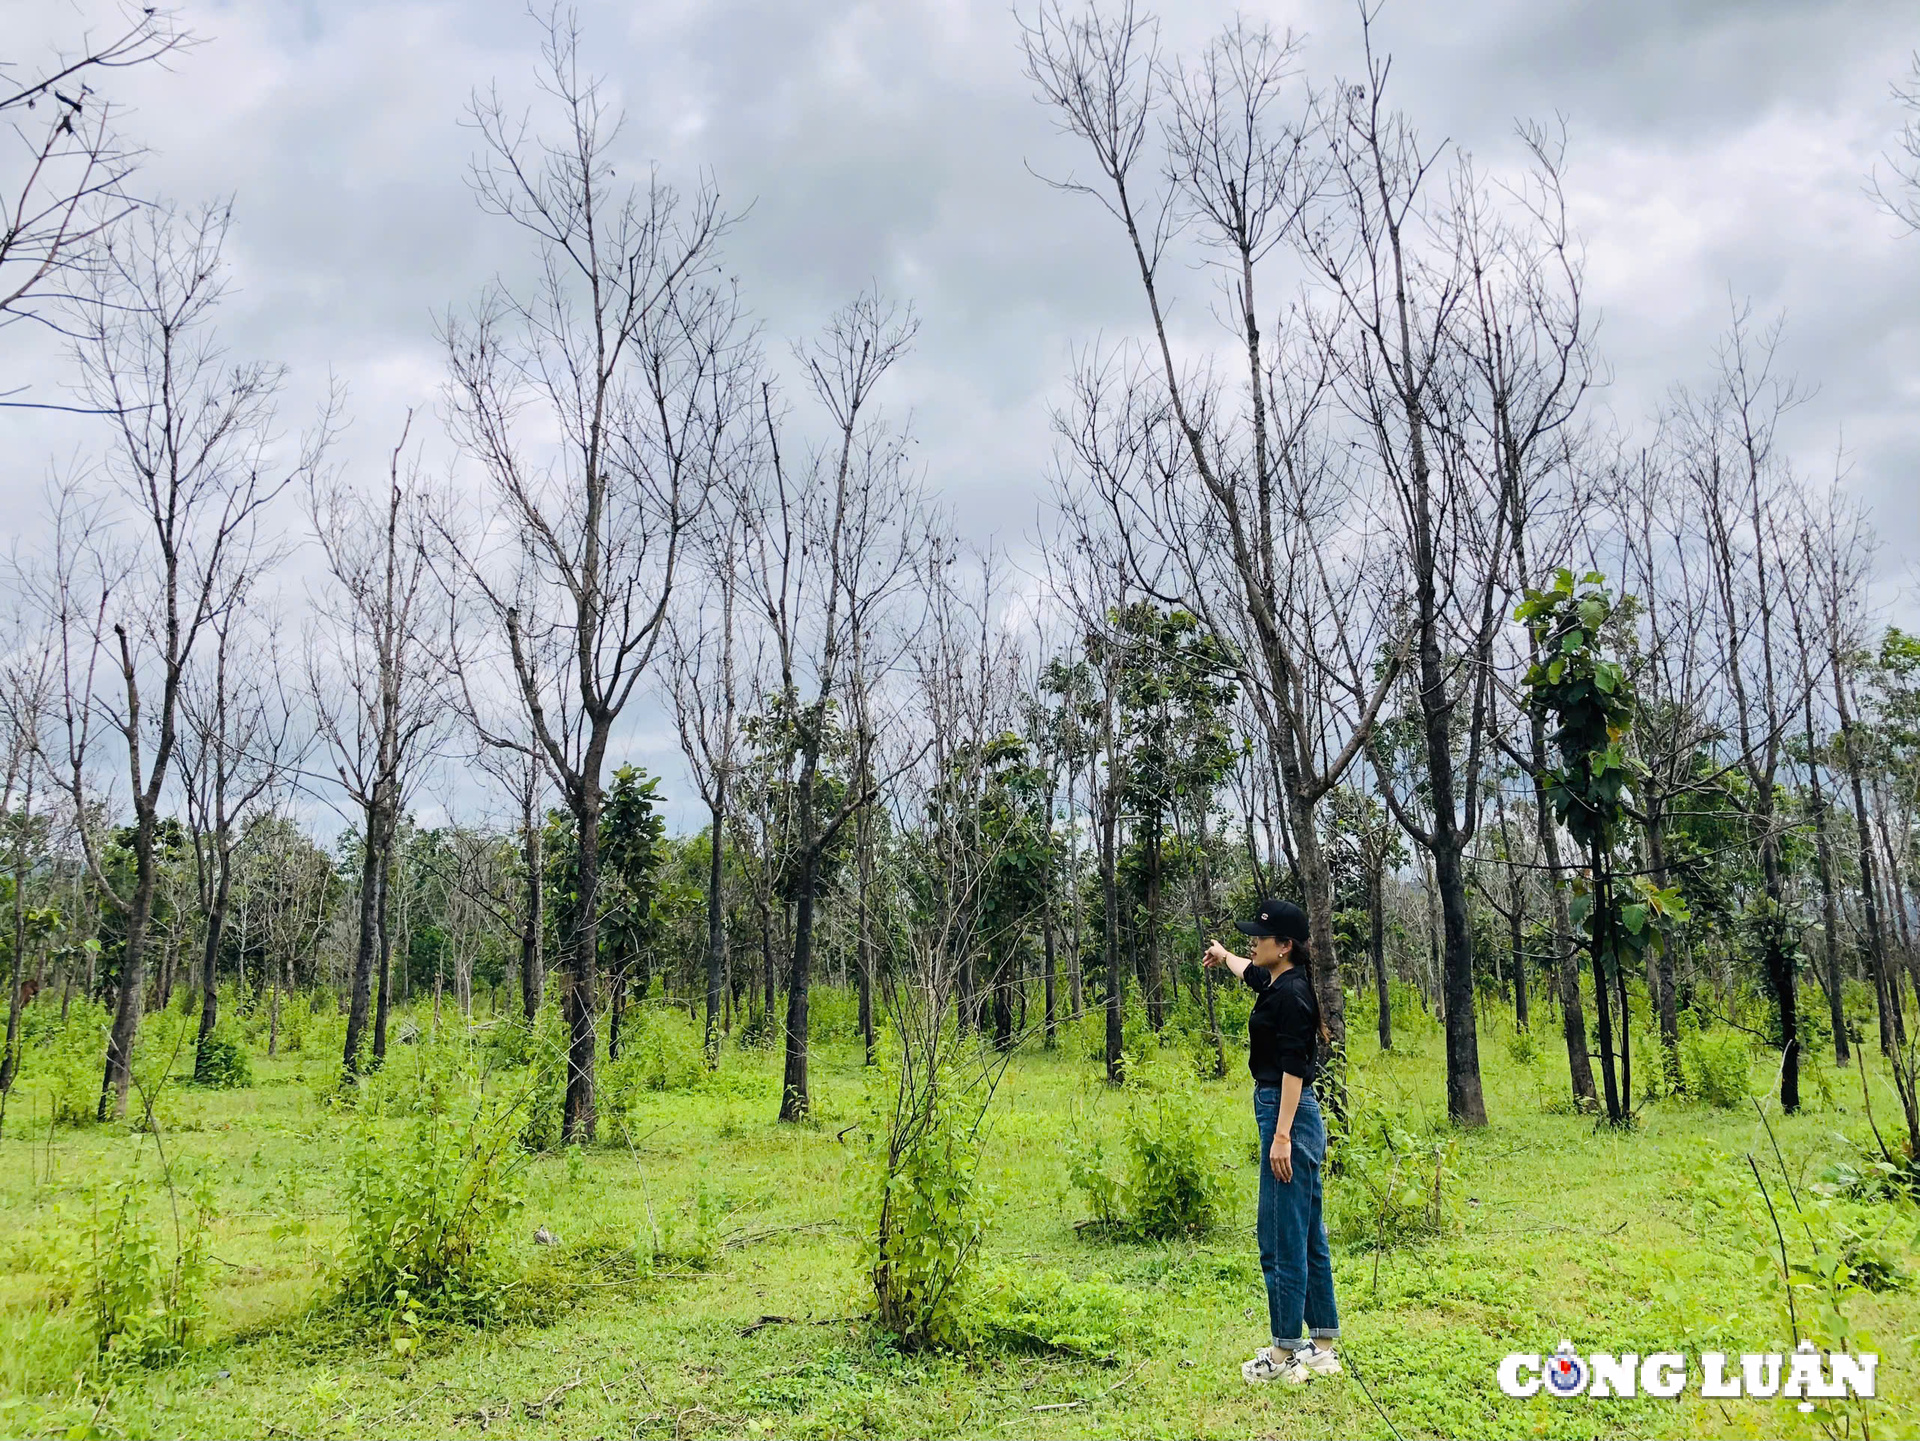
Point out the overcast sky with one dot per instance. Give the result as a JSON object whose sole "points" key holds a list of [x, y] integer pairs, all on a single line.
{"points": [[1718, 148]]}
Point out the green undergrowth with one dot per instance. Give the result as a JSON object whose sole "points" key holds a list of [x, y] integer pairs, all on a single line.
{"points": [[368, 1264]]}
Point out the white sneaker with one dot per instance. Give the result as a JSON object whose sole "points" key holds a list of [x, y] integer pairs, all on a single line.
{"points": [[1265, 1366], [1320, 1360]]}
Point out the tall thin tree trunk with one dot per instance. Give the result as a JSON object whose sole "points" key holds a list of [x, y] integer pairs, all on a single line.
{"points": [[1603, 1007], [1779, 967], [579, 1119], [1116, 971], [1377, 945], [367, 944], [118, 1075], [209, 962], [383, 939], [1076, 993], [1892, 1032], [1829, 906], [794, 1096], [866, 947], [1517, 946], [1155, 980], [1669, 1002], [10, 1058], [716, 924], [533, 976]]}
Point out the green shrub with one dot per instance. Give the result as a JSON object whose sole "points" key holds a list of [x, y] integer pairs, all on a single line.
{"points": [[760, 1031], [542, 1091], [425, 1210], [1091, 1171], [1016, 1308], [931, 1215], [223, 1061], [1864, 1174], [1406, 1181], [296, 1018], [63, 1062], [1177, 1182], [1522, 1049], [664, 1050], [1715, 1065], [1088, 1036], [833, 1013], [1173, 1181], [145, 1302]]}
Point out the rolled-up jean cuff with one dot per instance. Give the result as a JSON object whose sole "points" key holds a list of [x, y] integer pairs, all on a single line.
{"points": [[1298, 1343], [1326, 1333]]}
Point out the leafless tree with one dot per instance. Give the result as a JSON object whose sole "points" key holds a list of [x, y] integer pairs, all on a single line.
{"points": [[235, 750], [1804, 609], [1725, 440], [1650, 521], [830, 542], [1838, 551], [27, 703], [521, 774], [1466, 358], [1898, 194], [1231, 520], [67, 179], [705, 670], [1088, 579], [373, 684], [194, 462], [631, 348]]}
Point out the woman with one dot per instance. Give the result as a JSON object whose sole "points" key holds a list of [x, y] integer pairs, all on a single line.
{"points": [[1281, 1053]]}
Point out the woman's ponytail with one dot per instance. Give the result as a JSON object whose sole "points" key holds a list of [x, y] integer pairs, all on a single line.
{"points": [[1302, 954]]}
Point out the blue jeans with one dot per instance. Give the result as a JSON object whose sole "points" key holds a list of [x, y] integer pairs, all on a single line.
{"points": [[1293, 1237]]}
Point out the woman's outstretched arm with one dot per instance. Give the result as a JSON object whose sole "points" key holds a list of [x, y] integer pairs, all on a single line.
{"points": [[1219, 955]]}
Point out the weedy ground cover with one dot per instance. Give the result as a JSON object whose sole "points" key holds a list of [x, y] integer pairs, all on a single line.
{"points": [[702, 1270]]}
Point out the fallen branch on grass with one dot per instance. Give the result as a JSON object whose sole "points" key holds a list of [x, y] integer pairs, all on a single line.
{"points": [[765, 1321], [736, 1239], [537, 1410], [1070, 1405]]}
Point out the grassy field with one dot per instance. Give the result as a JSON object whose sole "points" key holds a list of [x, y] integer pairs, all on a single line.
{"points": [[707, 1277]]}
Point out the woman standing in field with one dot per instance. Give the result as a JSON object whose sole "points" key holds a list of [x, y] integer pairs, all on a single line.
{"points": [[1293, 1138]]}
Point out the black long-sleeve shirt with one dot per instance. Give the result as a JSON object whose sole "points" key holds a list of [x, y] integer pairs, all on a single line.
{"points": [[1281, 1032]]}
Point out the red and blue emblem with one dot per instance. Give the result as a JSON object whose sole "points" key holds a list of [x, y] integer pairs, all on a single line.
{"points": [[1565, 1373]]}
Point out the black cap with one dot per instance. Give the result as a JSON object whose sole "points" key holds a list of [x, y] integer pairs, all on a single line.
{"points": [[1282, 920]]}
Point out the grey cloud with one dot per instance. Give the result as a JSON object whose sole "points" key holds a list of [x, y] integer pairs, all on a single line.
{"points": [[1716, 144]]}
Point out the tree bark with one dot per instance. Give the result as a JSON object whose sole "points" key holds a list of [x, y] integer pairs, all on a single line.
{"points": [[1829, 907], [1377, 946], [533, 978], [1779, 969], [716, 927], [131, 994], [366, 948], [579, 1119], [383, 941], [1110, 912], [1155, 980], [209, 963], [1669, 1002], [794, 1096], [1566, 965]]}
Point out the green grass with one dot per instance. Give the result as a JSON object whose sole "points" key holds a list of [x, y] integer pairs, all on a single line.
{"points": [[1554, 1228]]}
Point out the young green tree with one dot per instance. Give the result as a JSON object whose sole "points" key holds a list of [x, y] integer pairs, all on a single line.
{"points": [[1622, 914]]}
